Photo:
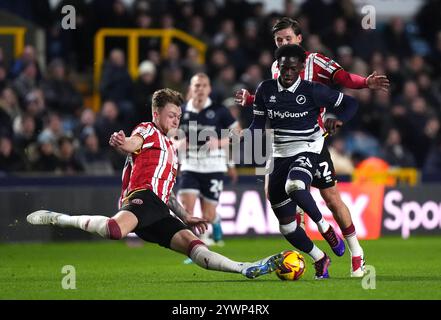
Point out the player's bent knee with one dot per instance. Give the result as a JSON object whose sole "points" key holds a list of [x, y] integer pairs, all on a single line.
{"points": [[288, 228], [182, 240], [114, 230], [294, 185]]}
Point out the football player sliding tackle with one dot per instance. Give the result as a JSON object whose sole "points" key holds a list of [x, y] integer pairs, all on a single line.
{"points": [[148, 178]]}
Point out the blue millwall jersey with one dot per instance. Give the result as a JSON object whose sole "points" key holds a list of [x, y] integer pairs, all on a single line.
{"points": [[293, 114], [198, 127]]}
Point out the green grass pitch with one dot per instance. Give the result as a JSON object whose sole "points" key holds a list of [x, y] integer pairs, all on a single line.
{"points": [[405, 269]]}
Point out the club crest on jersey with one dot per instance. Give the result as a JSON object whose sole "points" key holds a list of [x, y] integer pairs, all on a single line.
{"points": [[300, 99], [210, 114], [137, 201], [272, 99]]}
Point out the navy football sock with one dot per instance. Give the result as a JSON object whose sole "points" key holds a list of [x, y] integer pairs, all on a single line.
{"points": [[304, 200], [300, 240]]}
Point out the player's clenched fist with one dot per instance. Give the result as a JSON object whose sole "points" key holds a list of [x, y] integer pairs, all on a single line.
{"points": [[331, 125], [117, 139]]}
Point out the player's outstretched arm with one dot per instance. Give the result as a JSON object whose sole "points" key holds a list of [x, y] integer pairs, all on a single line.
{"points": [[354, 81], [378, 82], [119, 141]]}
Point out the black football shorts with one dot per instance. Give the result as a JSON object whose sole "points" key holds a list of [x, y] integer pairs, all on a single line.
{"points": [[155, 223]]}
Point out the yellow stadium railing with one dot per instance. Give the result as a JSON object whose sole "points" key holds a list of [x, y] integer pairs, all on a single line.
{"points": [[19, 38], [133, 36]]}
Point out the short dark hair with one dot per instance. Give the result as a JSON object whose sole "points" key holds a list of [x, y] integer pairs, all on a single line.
{"points": [[163, 96], [285, 23], [291, 50]]}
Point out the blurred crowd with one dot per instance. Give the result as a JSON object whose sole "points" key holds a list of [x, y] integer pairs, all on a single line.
{"points": [[45, 126]]}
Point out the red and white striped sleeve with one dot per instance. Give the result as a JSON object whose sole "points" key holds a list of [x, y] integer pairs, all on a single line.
{"points": [[146, 131], [326, 67], [143, 129]]}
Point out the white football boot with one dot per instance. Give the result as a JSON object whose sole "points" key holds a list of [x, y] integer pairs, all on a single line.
{"points": [[43, 217], [358, 266]]}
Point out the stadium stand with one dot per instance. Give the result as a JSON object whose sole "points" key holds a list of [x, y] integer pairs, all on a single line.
{"points": [[401, 127]]}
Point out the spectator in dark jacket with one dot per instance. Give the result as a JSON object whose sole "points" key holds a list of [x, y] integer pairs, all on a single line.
{"points": [[396, 38], [116, 85], [46, 161], [432, 165], [27, 81], [28, 56], [25, 132], [395, 153], [69, 163], [60, 94], [145, 86], [10, 159], [94, 159], [107, 122]]}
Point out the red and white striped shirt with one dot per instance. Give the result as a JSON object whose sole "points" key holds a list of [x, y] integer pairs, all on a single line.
{"points": [[318, 68], [154, 167]]}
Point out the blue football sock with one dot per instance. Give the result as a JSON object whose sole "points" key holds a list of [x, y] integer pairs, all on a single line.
{"points": [[217, 231]]}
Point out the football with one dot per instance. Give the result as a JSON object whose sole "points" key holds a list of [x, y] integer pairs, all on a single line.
{"points": [[293, 266]]}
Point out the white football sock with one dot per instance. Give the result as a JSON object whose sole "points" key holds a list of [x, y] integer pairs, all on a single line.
{"points": [[316, 254], [323, 225], [210, 260], [92, 224], [354, 245]]}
